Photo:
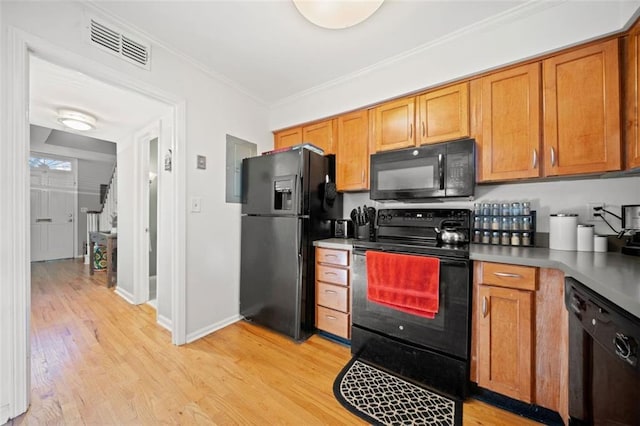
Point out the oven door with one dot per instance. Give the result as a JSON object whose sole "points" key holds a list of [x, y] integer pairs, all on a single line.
{"points": [[448, 332]]}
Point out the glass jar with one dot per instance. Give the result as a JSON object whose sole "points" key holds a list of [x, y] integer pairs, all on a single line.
{"points": [[486, 224], [486, 209], [516, 224], [526, 208], [504, 240], [506, 224], [526, 223], [476, 222], [486, 237], [477, 209], [526, 239], [476, 237], [515, 239], [505, 210], [516, 210], [495, 223], [495, 209], [495, 237]]}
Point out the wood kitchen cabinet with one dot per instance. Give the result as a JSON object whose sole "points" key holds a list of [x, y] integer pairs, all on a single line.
{"points": [[393, 124], [505, 329], [333, 291], [632, 97], [352, 154], [519, 342], [322, 135], [443, 114], [287, 137], [582, 110], [508, 133]]}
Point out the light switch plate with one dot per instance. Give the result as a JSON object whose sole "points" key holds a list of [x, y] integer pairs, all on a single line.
{"points": [[196, 204], [202, 162]]}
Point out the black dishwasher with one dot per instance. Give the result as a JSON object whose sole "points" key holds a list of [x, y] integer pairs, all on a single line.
{"points": [[604, 372]]}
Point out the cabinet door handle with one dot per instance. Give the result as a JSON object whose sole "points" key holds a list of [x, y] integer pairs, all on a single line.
{"points": [[553, 157], [331, 292], [484, 306], [423, 129], [411, 131], [362, 177], [535, 159], [507, 275]]}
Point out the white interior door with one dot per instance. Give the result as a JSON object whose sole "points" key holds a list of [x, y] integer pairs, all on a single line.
{"points": [[53, 205]]}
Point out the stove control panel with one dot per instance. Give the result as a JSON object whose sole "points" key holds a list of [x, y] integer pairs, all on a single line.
{"points": [[429, 218]]}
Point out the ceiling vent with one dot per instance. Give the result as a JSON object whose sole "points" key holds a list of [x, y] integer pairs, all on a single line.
{"points": [[112, 40]]}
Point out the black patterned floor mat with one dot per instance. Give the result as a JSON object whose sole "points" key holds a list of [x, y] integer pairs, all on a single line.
{"points": [[384, 399]]}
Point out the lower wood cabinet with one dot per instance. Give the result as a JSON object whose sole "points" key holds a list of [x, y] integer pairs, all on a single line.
{"points": [[333, 291], [519, 343]]}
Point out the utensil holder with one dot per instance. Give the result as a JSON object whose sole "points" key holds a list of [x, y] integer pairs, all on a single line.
{"points": [[361, 232]]}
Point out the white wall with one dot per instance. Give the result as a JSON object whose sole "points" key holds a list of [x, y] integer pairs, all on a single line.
{"points": [[213, 109], [537, 28], [569, 196]]}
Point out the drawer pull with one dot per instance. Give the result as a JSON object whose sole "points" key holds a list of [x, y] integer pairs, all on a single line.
{"points": [[330, 317], [331, 292], [507, 275], [330, 255], [330, 273], [484, 306]]}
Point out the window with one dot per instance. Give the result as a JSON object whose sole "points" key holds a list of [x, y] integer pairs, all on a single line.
{"points": [[49, 163]]}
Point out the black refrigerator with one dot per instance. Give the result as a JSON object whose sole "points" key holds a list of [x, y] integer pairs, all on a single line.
{"points": [[288, 201]]}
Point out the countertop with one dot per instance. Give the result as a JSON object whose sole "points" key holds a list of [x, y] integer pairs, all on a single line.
{"points": [[615, 276]]}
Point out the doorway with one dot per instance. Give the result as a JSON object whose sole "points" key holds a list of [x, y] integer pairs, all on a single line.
{"points": [[14, 227], [153, 221]]}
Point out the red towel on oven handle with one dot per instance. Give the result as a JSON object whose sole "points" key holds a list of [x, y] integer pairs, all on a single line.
{"points": [[404, 282]]}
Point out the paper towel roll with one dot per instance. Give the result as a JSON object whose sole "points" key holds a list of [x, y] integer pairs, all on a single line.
{"points": [[563, 231]]}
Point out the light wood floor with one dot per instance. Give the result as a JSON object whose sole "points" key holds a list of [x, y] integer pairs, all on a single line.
{"points": [[98, 360]]}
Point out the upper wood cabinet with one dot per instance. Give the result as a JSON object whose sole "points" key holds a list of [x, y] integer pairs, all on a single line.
{"points": [[582, 110], [509, 133], [443, 114], [322, 135], [352, 156], [394, 124], [632, 97], [288, 137]]}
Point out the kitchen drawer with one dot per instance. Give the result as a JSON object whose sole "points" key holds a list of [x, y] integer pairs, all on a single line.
{"points": [[334, 257], [510, 276], [329, 274], [334, 322], [332, 296]]}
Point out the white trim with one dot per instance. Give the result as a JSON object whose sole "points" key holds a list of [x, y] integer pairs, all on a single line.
{"points": [[14, 264], [164, 322], [4, 413], [193, 336], [125, 295]]}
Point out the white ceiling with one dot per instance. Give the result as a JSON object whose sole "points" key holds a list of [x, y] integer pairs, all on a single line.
{"points": [[119, 112], [269, 50]]}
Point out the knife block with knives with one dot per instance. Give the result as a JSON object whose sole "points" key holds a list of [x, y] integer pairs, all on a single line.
{"points": [[364, 223]]}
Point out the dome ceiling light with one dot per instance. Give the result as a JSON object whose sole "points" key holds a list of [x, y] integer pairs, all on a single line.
{"points": [[337, 14], [76, 120]]}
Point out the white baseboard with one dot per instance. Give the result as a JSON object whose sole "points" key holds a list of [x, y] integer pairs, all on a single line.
{"points": [[4, 414], [165, 322], [211, 328], [125, 295]]}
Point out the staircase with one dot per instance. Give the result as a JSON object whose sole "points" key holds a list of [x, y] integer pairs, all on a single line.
{"points": [[102, 220]]}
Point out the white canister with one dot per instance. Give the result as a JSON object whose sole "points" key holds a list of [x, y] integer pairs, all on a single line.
{"points": [[563, 230], [600, 243], [585, 237]]}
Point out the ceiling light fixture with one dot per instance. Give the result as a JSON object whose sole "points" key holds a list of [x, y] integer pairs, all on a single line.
{"points": [[337, 14], [76, 120]]}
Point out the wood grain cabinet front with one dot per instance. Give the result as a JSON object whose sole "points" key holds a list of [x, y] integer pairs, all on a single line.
{"points": [[287, 137], [582, 110], [443, 114], [394, 124], [632, 97], [333, 291], [322, 135], [352, 151]]}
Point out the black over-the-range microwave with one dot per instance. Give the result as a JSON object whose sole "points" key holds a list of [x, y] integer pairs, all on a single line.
{"points": [[439, 170]]}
